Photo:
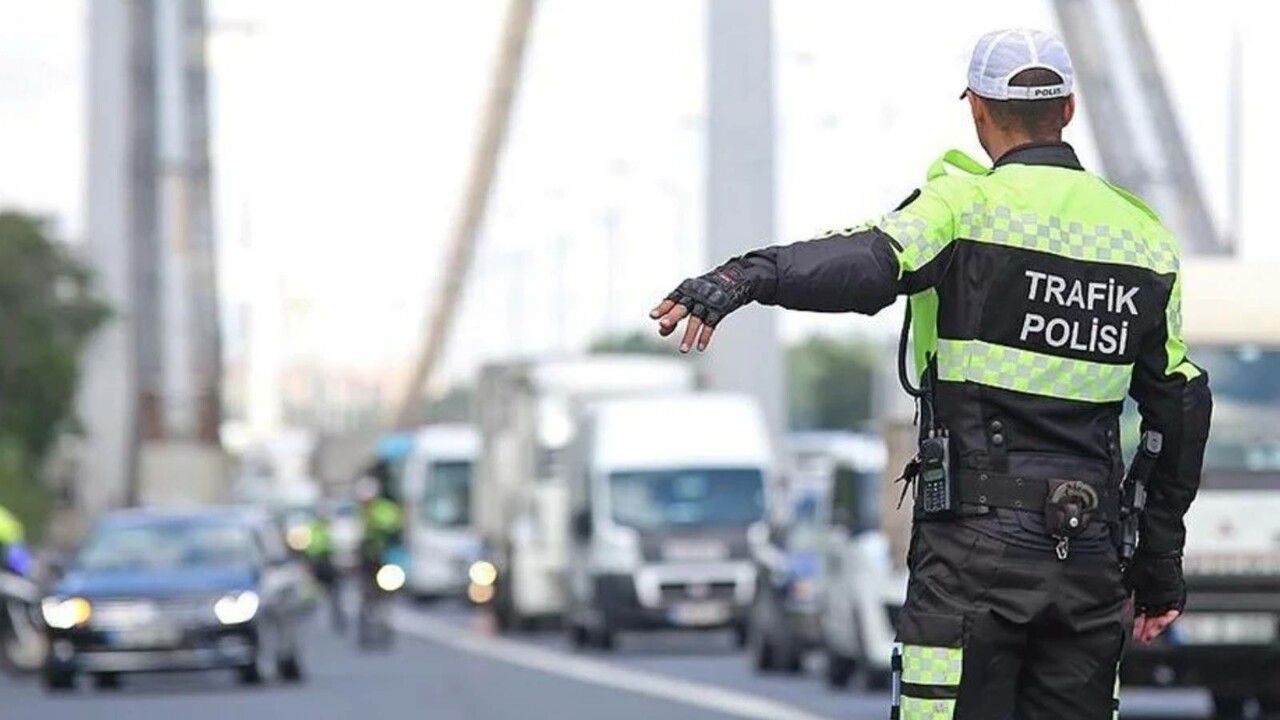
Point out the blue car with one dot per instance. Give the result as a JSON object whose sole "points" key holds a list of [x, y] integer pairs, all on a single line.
{"points": [[154, 590]]}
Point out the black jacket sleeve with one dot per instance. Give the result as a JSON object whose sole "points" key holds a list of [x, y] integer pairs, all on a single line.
{"points": [[853, 272], [1173, 398]]}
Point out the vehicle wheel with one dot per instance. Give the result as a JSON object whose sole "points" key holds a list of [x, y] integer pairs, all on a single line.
{"points": [[839, 670], [604, 639], [289, 669], [106, 681], [578, 636], [762, 655], [252, 674], [57, 681], [364, 627], [1227, 707], [793, 663]]}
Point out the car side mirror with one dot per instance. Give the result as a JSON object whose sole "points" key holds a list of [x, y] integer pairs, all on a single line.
{"points": [[582, 525]]}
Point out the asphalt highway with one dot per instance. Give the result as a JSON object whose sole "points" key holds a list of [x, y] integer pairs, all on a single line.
{"points": [[446, 664]]}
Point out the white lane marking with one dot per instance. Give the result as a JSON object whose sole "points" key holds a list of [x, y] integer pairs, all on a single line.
{"points": [[597, 672]]}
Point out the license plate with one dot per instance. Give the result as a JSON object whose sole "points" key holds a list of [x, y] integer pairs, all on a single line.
{"points": [[1224, 629], [700, 613], [151, 636]]}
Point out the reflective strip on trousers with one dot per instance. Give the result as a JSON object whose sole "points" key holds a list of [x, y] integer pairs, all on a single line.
{"points": [[922, 709], [937, 669], [1031, 372], [922, 665]]}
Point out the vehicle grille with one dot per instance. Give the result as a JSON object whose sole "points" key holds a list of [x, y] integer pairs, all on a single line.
{"points": [[116, 612], [680, 592]]}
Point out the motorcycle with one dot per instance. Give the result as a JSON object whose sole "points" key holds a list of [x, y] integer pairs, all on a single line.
{"points": [[379, 583]]}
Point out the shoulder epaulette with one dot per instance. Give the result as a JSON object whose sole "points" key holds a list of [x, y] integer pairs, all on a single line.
{"points": [[959, 161]]}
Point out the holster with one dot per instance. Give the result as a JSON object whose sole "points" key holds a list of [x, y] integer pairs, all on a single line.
{"points": [[1069, 507]]}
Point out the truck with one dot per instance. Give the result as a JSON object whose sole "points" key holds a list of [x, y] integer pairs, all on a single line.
{"points": [[527, 414], [660, 518], [439, 536], [1227, 640]]}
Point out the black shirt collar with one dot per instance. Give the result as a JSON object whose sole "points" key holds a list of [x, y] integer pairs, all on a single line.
{"points": [[1054, 153]]}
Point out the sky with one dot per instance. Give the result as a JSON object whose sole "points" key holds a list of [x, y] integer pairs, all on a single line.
{"points": [[343, 128]]}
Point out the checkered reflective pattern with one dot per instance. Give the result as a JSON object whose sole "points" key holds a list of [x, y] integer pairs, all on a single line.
{"points": [[1092, 243], [924, 665], [844, 232], [922, 709], [920, 242], [1031, 372]]}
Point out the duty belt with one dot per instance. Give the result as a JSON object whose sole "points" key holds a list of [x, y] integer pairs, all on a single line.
{"points": [[1016, 492]]}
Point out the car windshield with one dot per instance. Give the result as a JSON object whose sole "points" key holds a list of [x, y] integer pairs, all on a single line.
{"points": [[1244, 442], [655, 499], [171, 545], [447, 500], [1246, 408]]}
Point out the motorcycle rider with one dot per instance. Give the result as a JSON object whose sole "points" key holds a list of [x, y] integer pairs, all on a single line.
{"points": [[14, 555], [320, 556]]}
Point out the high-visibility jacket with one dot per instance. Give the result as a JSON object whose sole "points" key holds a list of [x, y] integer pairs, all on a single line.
{"points": [[1041, 296], [11, 531]]}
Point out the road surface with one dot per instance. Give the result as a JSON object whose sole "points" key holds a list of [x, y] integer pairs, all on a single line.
{"points": [[447, 666]]}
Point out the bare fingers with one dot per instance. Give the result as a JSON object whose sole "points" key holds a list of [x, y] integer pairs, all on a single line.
{"points": [[690, 333], [1147, 629], [704, 338], [1157, 625], [661, 309], [668, 321]]}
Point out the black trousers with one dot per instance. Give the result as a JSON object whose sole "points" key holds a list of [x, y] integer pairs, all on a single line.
{"points": [[996, 627]]}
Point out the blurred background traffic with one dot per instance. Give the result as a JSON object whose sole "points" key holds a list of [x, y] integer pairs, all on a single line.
{"points": [[324, 362]]}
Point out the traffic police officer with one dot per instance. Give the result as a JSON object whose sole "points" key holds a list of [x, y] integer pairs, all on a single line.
{"points": [[14, 555], [1041, 295]]}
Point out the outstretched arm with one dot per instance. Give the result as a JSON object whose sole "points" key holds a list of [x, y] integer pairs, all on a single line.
{"points": [[855, 270], [850, 271]]}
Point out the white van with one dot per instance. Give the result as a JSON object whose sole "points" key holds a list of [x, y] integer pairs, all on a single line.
{"points": [[528, 414], [660, 514], [437, 497]]}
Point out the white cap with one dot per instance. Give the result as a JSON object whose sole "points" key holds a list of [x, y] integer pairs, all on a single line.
{"points": [[1000, 55]]}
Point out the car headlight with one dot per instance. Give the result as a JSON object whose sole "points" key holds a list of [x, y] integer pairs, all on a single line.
{"points": [[236, 608], [390, 577], [482, 573], [64, 614]]}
